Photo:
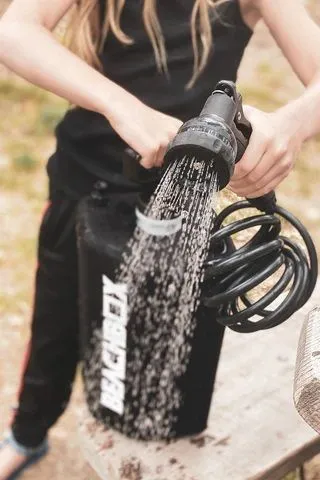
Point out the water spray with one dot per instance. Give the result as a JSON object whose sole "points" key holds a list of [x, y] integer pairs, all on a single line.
{"points": [[161, 276], [219, 137]]}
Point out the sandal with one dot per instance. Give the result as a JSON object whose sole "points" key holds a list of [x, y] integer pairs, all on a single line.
{"points": [[33, 454]]}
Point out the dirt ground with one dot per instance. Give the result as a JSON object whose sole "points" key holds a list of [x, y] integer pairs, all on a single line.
{"points": [[265, 80]]}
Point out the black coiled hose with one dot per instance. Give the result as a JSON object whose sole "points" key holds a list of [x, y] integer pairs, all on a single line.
{"points": [[231, 273]]}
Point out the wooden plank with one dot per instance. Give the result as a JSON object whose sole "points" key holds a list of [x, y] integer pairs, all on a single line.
{"points": [[254, 431], [307, 377]]}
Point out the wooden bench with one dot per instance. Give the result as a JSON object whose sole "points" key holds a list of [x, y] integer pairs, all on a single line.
{"points": [[254, 430]]}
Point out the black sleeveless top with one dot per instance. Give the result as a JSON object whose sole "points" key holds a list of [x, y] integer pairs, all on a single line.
{"points": [[87, 147]]}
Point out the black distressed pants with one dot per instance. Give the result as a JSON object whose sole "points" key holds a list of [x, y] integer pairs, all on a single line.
{"points": [[52, 356]]}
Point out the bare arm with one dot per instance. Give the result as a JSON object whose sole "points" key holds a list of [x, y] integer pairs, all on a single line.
{"points": [[296, 33], [298, 36], [278, 136], [28, 47]]}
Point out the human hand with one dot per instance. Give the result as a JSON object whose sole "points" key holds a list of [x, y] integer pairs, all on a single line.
{"points": [[274, 145], [144, 129]]}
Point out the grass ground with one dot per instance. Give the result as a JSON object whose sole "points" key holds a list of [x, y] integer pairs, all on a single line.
{"points": [[28, 118]]}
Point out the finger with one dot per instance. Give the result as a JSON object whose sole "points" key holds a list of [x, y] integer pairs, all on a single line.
{"points": [[281, 167], [160, 156], [148, 160], [251, 157], [273, 157], [268, 188], [165, 143]]}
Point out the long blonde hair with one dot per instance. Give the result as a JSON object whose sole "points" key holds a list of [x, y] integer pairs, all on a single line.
{"points": [[87, 31]]}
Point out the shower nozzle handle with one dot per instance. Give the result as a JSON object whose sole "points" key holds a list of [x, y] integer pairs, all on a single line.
{"points": [[266, 203], [242, 129]]}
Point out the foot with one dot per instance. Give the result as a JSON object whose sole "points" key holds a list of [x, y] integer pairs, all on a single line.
{"points": [[10, 460]]}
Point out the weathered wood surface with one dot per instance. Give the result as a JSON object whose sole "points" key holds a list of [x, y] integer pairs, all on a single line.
{"points": [[307, 377], [254, 430]]}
